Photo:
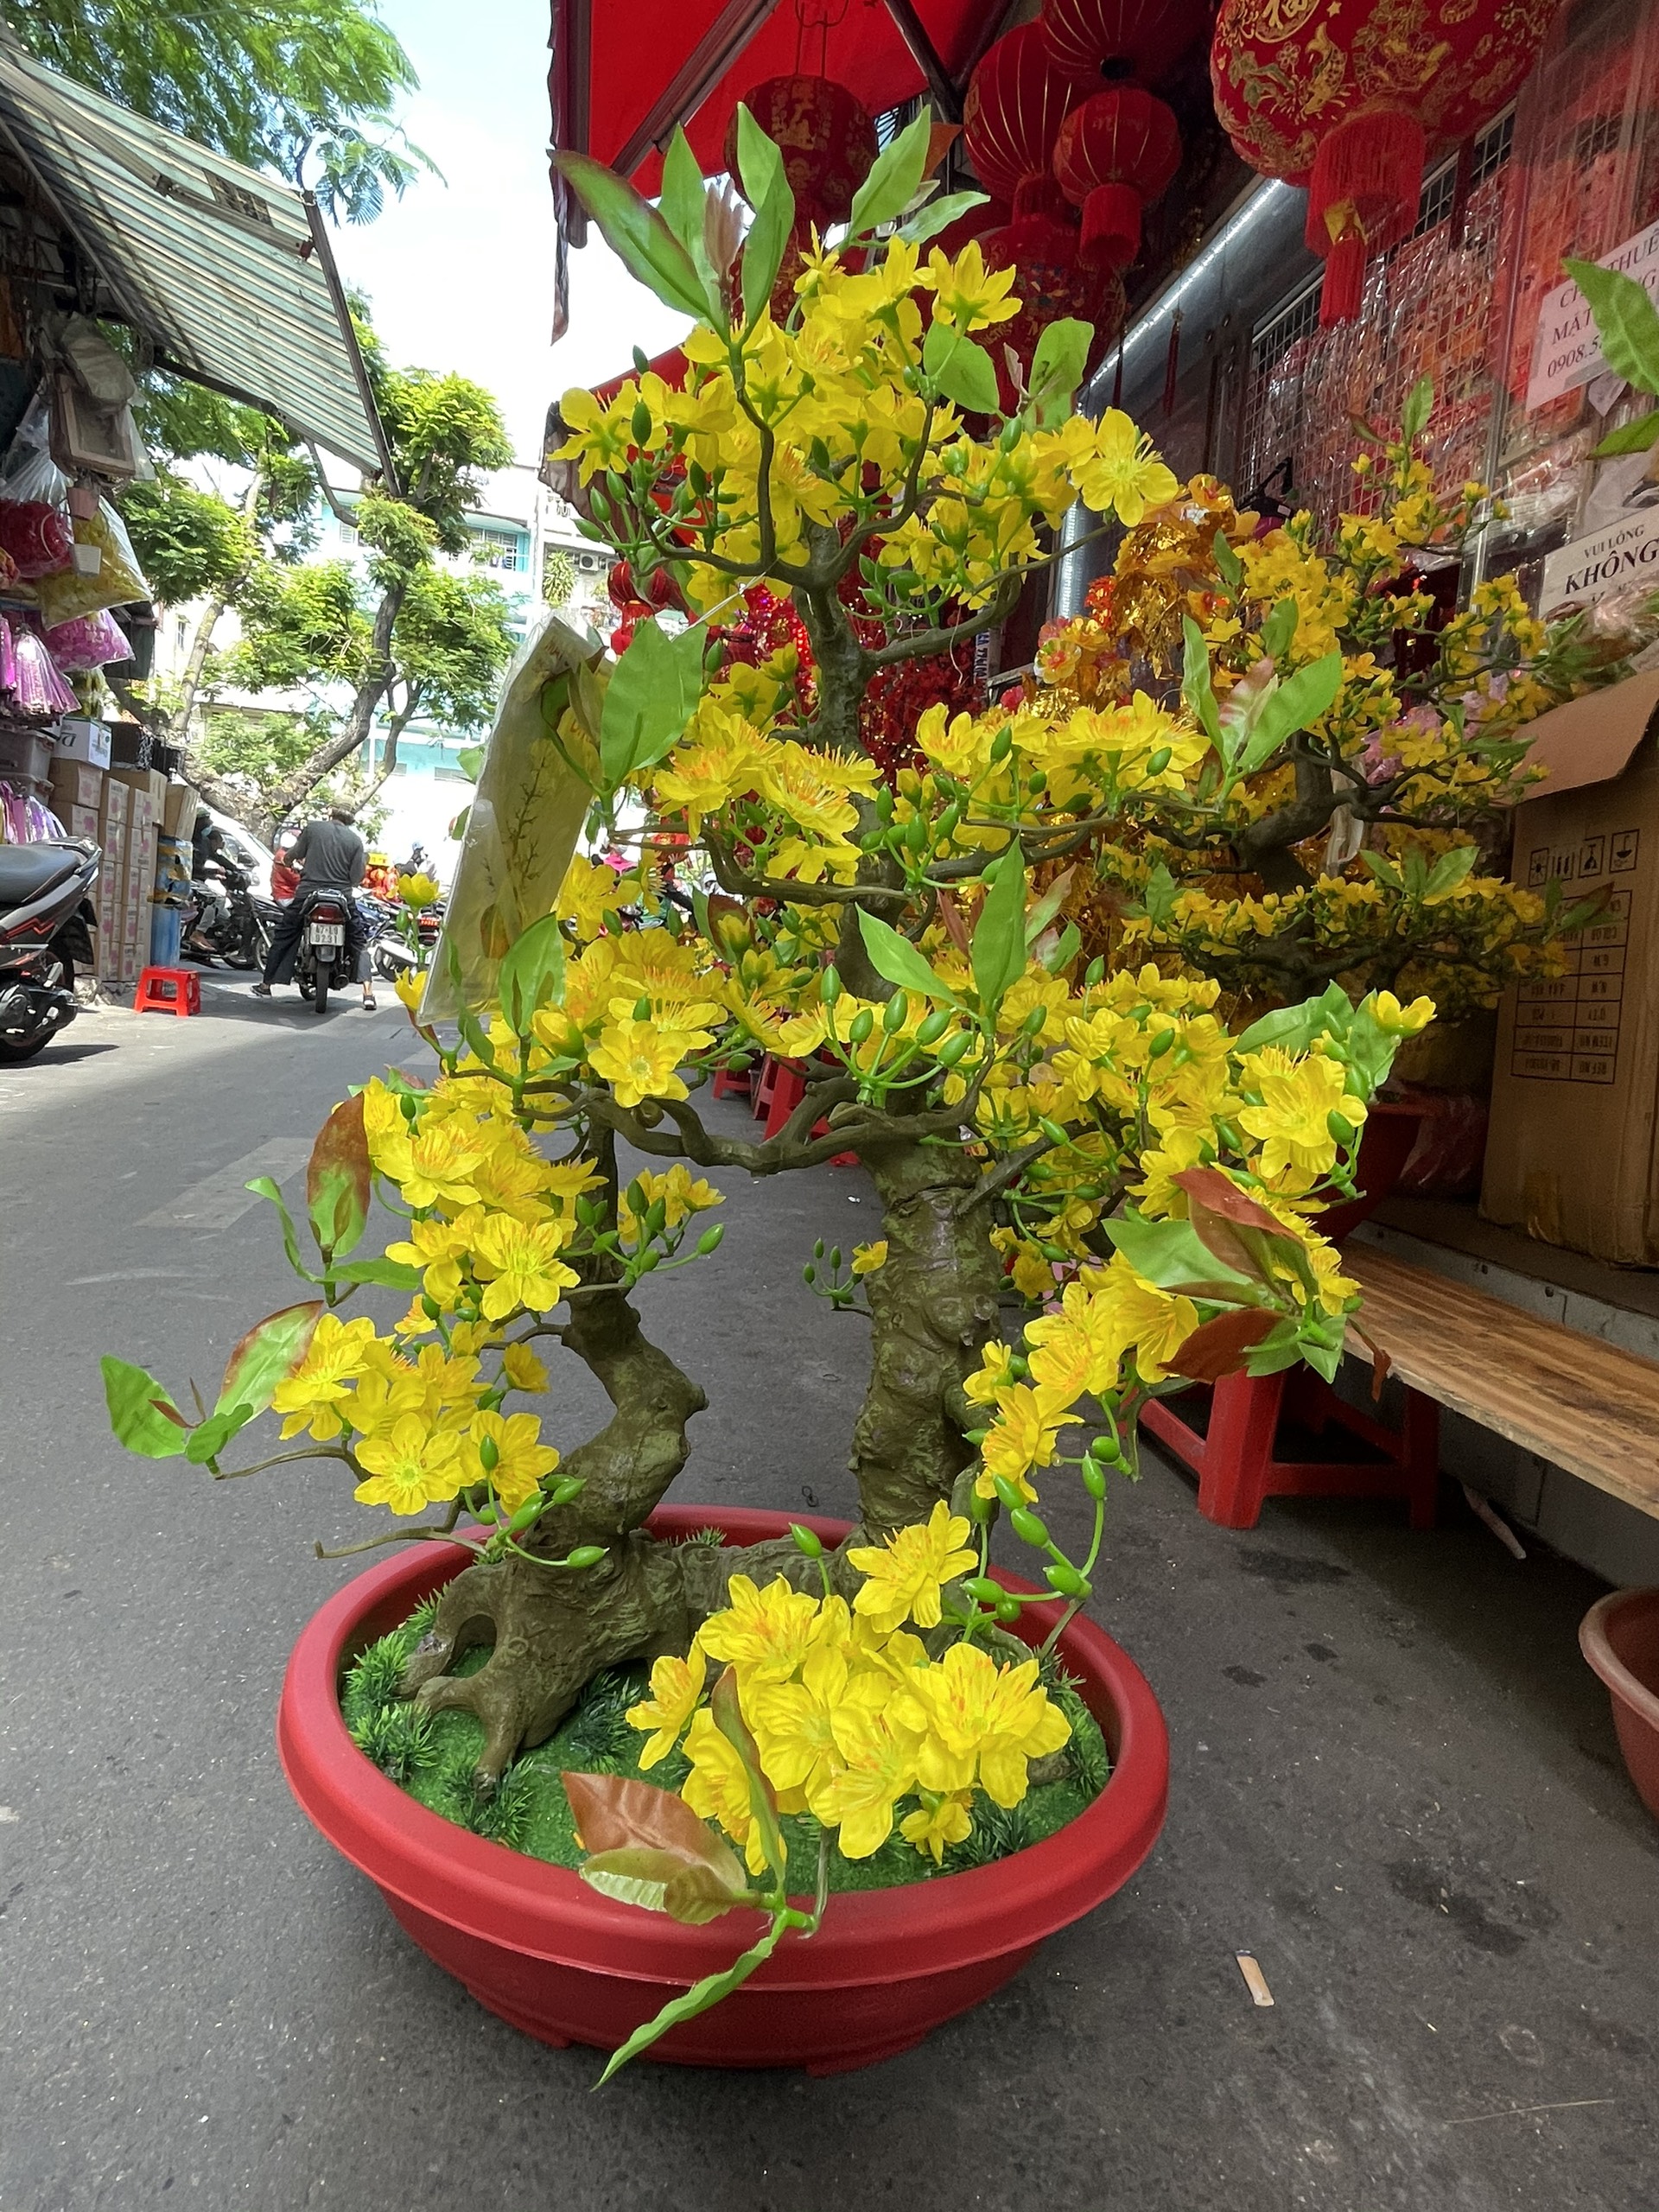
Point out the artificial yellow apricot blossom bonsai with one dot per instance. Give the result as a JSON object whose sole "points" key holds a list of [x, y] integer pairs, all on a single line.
{"points": [[1089, 1188], [1351, 830]]}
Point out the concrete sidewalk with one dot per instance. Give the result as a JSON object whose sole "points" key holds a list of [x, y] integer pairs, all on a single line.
{"points": [[1393, 1782]]}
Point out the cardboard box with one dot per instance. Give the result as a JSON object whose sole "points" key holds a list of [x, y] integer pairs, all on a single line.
{"points": [[1571, 1156], [81, 821], [78, 739], [112, 826], [150, 782], [76, 784], [179, 809]]}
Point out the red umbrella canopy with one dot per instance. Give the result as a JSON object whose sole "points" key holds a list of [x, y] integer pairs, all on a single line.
{"points": [[653, 61]]}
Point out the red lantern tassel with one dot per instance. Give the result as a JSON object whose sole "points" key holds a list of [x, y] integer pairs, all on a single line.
{"points": [[1362, 196]]}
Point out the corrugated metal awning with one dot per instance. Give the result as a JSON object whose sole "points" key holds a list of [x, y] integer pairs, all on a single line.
{"points": [[227, 272]]}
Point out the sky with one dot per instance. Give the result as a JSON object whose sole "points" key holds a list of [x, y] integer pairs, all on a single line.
{"points": [[460, 272]]}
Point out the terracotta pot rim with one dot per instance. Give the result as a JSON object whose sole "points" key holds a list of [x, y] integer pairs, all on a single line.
{"points": [[538, 1910], [1596, 1644]]}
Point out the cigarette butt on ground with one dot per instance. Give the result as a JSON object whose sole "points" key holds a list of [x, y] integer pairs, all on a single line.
{"points": [[1255, 1980]]}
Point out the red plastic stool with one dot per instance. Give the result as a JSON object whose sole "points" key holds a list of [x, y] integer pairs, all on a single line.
{"points": [[761, 1088], [728, 1085], [167, 990], [1236, 1456]]}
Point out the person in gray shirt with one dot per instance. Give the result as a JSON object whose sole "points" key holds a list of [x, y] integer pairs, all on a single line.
{"points": [[330, 857]]}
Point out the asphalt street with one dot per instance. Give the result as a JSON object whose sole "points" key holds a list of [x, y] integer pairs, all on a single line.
{"points": [[1394, 1782]]}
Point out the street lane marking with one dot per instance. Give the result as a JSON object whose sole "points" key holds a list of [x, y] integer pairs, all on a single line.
{"points": [[220, 1198]]}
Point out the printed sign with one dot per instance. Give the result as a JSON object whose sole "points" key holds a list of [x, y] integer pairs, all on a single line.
{"points": [[1626, 552], [1565, 352]]}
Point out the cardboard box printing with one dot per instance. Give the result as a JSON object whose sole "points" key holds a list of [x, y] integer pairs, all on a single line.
{"points": [[1571, 1156], [150, 781], [78, 739], [73, 783]]}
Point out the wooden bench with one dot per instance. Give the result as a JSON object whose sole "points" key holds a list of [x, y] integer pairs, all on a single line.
{"points": [[1581, 1404]]}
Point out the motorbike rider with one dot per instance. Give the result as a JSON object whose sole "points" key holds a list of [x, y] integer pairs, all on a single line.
{"points": [[330, 857], [208, 859]]}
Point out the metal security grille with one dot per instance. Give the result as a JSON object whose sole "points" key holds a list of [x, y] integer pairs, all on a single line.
{"points": [[1429, 311]]}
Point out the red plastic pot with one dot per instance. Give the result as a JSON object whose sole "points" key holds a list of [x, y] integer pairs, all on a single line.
{"points": [[533, 1943], [1619, 1637], [1385, 1145]]}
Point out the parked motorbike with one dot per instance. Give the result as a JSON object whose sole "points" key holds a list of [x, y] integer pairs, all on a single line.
{"points": [[237, 928], [46, 919], [400, 941], [323, 960]]}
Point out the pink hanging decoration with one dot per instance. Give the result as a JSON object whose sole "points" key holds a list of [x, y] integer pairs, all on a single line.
{"points": [[87, 641], [42, 695], [36, 536], [8, 658]]}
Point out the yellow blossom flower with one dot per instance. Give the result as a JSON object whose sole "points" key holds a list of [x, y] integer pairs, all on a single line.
{"points": [[937, 1823], [310, 1396], [521, 1261], [878, 1767], [516, 1460], [766, 1633], [638, 1059], [904, 1574], [410, 1466], [977, 1721], [676, 1685], [523, 1370], [867, 1258]]}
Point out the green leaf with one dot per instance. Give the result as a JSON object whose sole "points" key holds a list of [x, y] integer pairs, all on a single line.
{"points": [[698, 1999], [896, 960], [1280, 628], [1158, 899], [1064, 951], [969, 377], [651, 696], [999, 945], [1228, 564], [469, 761], [938, 213], [1296, 704], [727, 1714], [1635, 437], [386, 1274], [1293, 1028], [765, 187], [268, 1355], [1057, 368], [1383, 868], [684, 201], [1048, 906], [1449, 871], [894, 179], [1627, 322], [339, 1180], [1172, 1254], [637, 235], [142, 1415], [208, 1439], [1196, 687], [1419, 405], [532, 973], [264, 1187]]}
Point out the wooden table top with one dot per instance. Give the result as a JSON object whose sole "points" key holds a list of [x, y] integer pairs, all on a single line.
{"points": [[1578, 1402]]}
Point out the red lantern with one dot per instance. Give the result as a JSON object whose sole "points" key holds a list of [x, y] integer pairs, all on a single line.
{"points": [[1016, 103], [828, 143], [1347, 97], [1118, 150], [1120, 38]]}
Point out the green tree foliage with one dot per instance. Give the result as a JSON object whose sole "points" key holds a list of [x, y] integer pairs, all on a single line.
{"points": [[307, 88], [190, 542]]}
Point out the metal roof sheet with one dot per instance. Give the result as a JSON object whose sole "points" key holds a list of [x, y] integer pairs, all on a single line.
{"points": [[228, 272]]}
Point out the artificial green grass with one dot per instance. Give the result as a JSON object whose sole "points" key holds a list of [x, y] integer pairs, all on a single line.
{"points": [[432, 1755]]}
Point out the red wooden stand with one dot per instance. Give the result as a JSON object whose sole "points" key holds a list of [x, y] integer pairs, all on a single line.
{"points": [[1235, 1458]]}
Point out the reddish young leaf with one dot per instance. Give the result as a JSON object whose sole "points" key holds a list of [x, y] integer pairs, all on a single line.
{"points": [[338, 1179], [1210, 1188], [1221, 1346], [268, 1355], [615, 1813], [955, 928]]}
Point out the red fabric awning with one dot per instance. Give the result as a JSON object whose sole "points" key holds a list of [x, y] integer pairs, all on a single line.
{"points": [[623, 74]]}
